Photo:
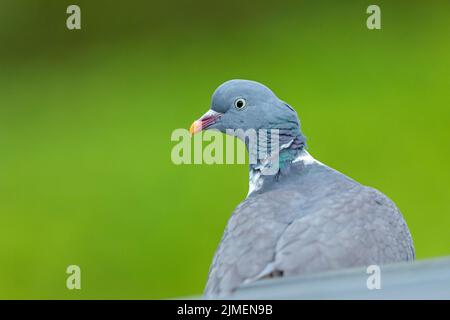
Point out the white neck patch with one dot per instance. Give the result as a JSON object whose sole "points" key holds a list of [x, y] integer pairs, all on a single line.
{"points": [[306, 158], [256, 180]]}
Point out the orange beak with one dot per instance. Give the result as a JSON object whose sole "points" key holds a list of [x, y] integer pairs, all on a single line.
{"points": [[205, 121], [195, 127]]}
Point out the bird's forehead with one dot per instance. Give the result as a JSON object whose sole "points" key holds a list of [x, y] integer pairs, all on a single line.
{"points": [[237, 88]]}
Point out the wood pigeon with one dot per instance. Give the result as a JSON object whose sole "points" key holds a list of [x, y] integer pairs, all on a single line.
{"points": [[305, 218]]}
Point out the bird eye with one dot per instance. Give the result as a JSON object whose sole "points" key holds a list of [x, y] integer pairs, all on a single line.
{"points": [[239, 103]]}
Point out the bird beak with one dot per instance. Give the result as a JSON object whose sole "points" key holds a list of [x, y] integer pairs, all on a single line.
{"points": [[205, 121]]}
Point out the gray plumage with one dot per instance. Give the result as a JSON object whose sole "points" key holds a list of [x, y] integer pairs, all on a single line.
{"points": [[306, 218]]}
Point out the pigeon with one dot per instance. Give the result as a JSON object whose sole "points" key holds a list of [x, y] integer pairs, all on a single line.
{"points": [[304, 218]]}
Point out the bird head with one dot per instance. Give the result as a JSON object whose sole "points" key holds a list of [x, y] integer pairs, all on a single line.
{"points": [[245, 104]]}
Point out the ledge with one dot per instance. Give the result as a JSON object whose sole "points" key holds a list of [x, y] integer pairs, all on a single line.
{"points": [[423, 279]]}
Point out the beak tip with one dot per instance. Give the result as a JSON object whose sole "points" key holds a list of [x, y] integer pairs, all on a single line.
{"points": [[204, 122], [195, 127]]}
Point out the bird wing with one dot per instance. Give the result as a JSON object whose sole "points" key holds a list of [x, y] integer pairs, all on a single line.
{"points": [[358, 228]]}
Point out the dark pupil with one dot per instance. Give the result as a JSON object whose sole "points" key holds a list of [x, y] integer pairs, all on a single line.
{"points": [[240, 104]]}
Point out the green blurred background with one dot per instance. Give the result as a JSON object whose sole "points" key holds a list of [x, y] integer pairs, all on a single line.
{"points": [[86, 118]]}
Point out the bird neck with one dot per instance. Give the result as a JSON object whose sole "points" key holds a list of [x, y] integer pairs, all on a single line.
{"points": [[276, 163]]}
